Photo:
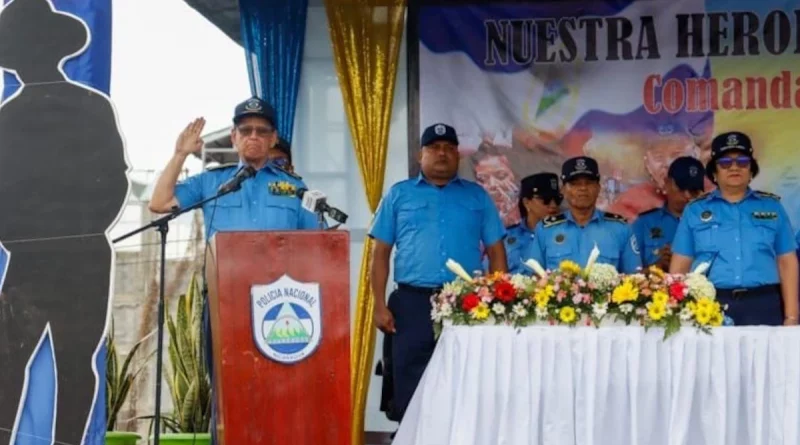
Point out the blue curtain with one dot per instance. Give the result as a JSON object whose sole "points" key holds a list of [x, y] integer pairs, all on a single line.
{"points": [[273, 34], [91, 68]]}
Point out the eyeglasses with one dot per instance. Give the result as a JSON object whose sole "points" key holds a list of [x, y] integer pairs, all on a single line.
{"points": [[549, 199], [247, 130], [726, 163]]}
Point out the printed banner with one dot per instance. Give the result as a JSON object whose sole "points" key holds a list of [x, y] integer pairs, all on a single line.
{"points": [[634, 84]]}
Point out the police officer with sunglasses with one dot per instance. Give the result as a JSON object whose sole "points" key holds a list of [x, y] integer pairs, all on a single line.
{"points": [[746, 237], [539, 197], [573, 234]]}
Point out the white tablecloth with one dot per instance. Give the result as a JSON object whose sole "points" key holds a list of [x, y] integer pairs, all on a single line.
{"points": [[609, 386]]}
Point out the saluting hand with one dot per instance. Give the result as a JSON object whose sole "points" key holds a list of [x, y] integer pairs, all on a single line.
{"points": [[189, 141], [384, 320]]}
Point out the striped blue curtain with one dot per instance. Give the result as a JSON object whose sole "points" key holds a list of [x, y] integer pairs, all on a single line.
{"points": [[273, 35]]}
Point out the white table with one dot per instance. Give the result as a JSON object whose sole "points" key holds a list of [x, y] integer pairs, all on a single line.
{"points": [[498, 385]]}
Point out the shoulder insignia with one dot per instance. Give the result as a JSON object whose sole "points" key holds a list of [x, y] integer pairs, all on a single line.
{"points": [[767, 195], [700, 196], [554, 220], [647, 212], [223, 166], [614, 217], [283, 170]]}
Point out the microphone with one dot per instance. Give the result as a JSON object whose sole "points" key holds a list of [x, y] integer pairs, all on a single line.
{"points": [[316, 201], [235, 183]]}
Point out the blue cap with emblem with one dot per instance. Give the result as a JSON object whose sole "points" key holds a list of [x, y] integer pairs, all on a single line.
{"points": [[540, 184], [254, 107], [581, 166], [439, 132], [688, 173], [725, 143]]}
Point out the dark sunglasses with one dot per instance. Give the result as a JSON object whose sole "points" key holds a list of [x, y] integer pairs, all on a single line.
{"points": [[547, 200], [247, 130], [726, 163]]}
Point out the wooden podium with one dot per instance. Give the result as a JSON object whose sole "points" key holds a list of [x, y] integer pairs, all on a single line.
{"points": [[280, 319]]}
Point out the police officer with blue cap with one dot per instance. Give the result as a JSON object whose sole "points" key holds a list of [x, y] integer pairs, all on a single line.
{"points": [[573, 234], [745, 236], [655, 229], [427, 219], [266, 201], [539, 197]]}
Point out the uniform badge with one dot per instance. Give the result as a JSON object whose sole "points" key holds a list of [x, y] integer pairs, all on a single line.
{"points": [[252, 105], [765, 215], [282, 188], [560, 238], [693, 171], [287, 321], [634, 245], [655, 233], [733, 140], [580, 164], [439, 130], [705, 216]]}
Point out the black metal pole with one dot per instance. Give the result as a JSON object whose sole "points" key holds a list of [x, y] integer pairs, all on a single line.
{"points": [[162, 229]]}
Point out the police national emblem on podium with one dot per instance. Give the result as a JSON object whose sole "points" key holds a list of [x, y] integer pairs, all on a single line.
{"points": [[287, 321]]}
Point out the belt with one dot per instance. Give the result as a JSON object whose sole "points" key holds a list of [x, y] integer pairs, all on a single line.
{"points": [[417, 289], [748, 292]]}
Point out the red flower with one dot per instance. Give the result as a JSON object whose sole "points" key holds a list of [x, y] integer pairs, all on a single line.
{"points": [[677, 291], [470, 302], [504, 291]]}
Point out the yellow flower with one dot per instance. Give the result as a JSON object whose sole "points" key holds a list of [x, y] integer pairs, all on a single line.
{"points": [[626, 291], [656, 311], [692, 306], [716, 319], [543, 296], [660, 297], [570, 267], [480, 312], [704, 303], [567, 314], [655, 270], [496, 276], [703, 316]]}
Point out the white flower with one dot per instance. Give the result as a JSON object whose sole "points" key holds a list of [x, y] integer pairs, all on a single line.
{"points": [[626, 308], [520, 281], [593, 255], [533, 264], [599, 309], [700, 286], [685, 314], [454, 287], [446, 309], [519, 310], [498, 309], [458, 270], [603, 276], [701, 268], [541, 312]]}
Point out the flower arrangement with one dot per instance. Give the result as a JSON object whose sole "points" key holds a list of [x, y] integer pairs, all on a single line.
{"points": [[571, 295]]}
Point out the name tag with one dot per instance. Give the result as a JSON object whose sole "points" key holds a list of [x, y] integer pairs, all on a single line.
{"points": [[765, 215]]}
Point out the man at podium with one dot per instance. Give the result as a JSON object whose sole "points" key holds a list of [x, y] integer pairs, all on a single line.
{"points": [[267, 199], [428, 219]]}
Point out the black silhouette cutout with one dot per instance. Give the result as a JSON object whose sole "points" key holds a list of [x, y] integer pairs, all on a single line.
{"points": [[62, 184]]}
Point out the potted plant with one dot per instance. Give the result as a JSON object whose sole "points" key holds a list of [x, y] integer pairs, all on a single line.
{"points": [[119, 380], [187, 374]]}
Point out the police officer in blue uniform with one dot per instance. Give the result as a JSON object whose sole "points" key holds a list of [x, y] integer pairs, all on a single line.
{"points": [[539, 197], [573, 234], [745, 236], [427, 219], [264, 202], [655, 229]]}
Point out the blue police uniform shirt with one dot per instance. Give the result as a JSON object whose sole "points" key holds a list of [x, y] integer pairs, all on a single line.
{"points": [[518, 239], [560, 238], [741, 241], [654, 229], [428, 224], [265, 202]]}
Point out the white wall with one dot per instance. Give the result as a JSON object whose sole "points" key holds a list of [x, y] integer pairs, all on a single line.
{"points": [[322, 151]]}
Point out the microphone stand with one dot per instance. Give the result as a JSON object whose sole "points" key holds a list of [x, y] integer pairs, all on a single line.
{"points": [[162, 226]]}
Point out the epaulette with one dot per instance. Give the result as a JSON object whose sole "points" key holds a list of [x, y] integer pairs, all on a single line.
{"points": [[648, 211], [767, 195], [614, 217], [700, 196], [221, 166], [554, 220], [292, 174]]}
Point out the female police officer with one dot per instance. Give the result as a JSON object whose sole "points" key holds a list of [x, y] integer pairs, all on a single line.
{"points": [[539, 197], [745, 236]]}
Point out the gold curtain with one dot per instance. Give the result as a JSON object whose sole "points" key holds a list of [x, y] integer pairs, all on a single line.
{"points": [[366, 37]]}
